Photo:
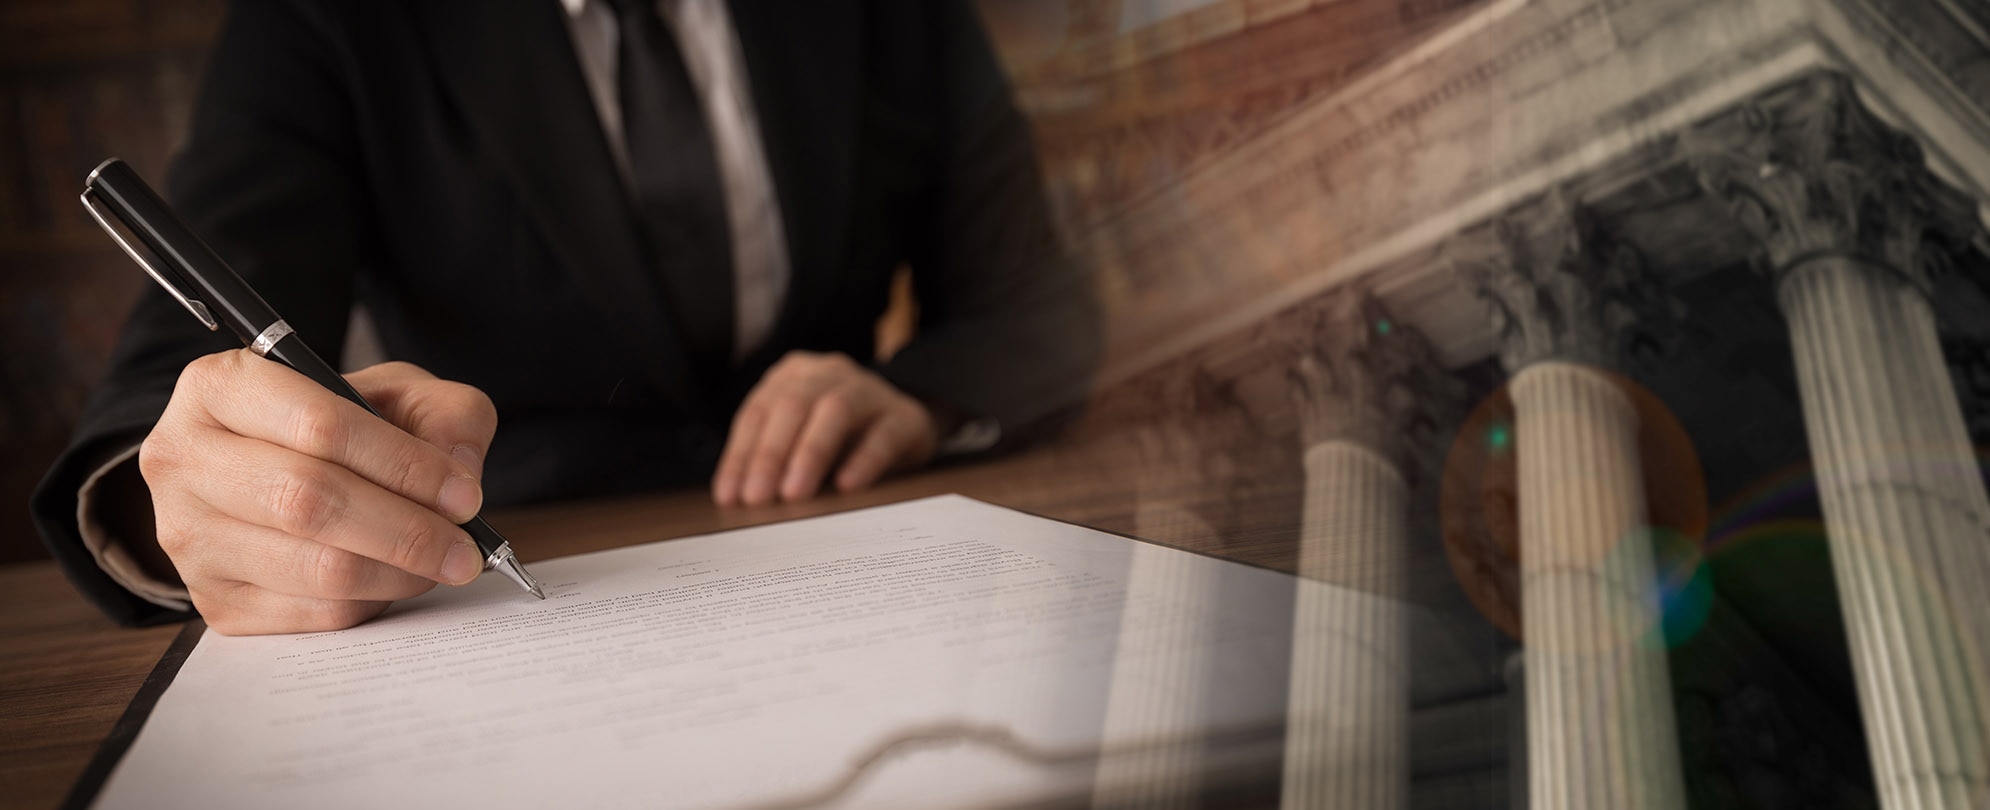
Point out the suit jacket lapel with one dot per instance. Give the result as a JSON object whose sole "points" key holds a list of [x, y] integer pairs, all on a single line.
{"points": [[803, 61], [510, 64]]}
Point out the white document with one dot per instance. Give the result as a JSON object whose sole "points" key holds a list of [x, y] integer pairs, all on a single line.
{"points": [[934, 653]]}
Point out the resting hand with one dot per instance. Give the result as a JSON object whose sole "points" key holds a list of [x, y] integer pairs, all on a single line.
{"points": [[286, 508], [812, 412]]}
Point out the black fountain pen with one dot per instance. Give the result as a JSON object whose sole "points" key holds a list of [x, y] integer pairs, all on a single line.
{"points": [[202, 283]]}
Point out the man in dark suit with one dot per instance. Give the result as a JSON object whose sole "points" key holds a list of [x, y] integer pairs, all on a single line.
{"points": [[657, 245]]}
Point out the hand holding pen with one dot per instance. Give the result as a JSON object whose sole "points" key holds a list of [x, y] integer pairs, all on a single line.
{"points": [[285, 500]]}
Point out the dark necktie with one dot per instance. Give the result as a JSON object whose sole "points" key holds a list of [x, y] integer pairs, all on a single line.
{"points": [[677, 189]]}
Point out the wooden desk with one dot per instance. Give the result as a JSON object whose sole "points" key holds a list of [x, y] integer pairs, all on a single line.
{"points": [[66, 673]]}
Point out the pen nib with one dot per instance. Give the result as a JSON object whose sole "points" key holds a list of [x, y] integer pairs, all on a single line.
{"points": [[509, 567]]}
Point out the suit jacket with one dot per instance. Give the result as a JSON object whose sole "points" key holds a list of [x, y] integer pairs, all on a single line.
{"points": [[439, 161]]}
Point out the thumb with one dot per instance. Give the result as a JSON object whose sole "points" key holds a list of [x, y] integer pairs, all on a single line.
{"points": [[452, 416]]}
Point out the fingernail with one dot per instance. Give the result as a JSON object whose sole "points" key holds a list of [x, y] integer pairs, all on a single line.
{"points": [[460, 498], [468, 457], [463, 563]]}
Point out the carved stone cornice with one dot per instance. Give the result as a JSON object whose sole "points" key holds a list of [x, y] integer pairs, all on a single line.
{"points": [[1812, 173], [1182, 424], [1557, 286], [1186, 390], [1366, 377]]}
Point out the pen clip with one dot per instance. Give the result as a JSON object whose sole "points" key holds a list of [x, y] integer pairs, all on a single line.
{"points": [[198, 309]]}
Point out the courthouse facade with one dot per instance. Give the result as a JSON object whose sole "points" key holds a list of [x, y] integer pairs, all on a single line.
{"points": [[1520, 312]]}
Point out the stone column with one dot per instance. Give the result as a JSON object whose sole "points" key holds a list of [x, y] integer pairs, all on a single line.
{"points": [[1358, 392], [1600, 729], [1169, 606], [1180, 443], [1850, 223]]}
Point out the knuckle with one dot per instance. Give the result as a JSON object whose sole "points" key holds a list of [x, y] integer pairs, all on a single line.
{"points": [[305, 501], [463, 408], [472, 401], [316, 428], [336, 572], [158, 457], [418, 546], [413, 473], [837, 403], [406, 480], [173, 536], [199, 381], [205, 369]]}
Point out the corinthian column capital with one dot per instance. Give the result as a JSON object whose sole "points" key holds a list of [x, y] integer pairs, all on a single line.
{"points": [[1556, 285], [1811, 173], [1365, 376]]}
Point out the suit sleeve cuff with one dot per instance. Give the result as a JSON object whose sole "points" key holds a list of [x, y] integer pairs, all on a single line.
{"points": [[111, 553]]}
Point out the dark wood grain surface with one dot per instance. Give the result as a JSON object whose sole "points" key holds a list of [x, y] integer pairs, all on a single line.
{"points": [[66, 674]]}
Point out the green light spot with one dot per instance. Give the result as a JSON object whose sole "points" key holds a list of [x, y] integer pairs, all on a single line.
{"points": [[1383, 326], [1499, 437], [1685, 586]]}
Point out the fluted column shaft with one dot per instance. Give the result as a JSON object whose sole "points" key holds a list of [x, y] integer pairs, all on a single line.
{"points": [[1170, 606], [1906, 514], [1154, 709], [1347, 738], [1601, 731]]}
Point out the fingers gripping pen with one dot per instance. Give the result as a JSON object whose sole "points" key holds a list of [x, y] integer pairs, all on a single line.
{"points": [[195, 277]]}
